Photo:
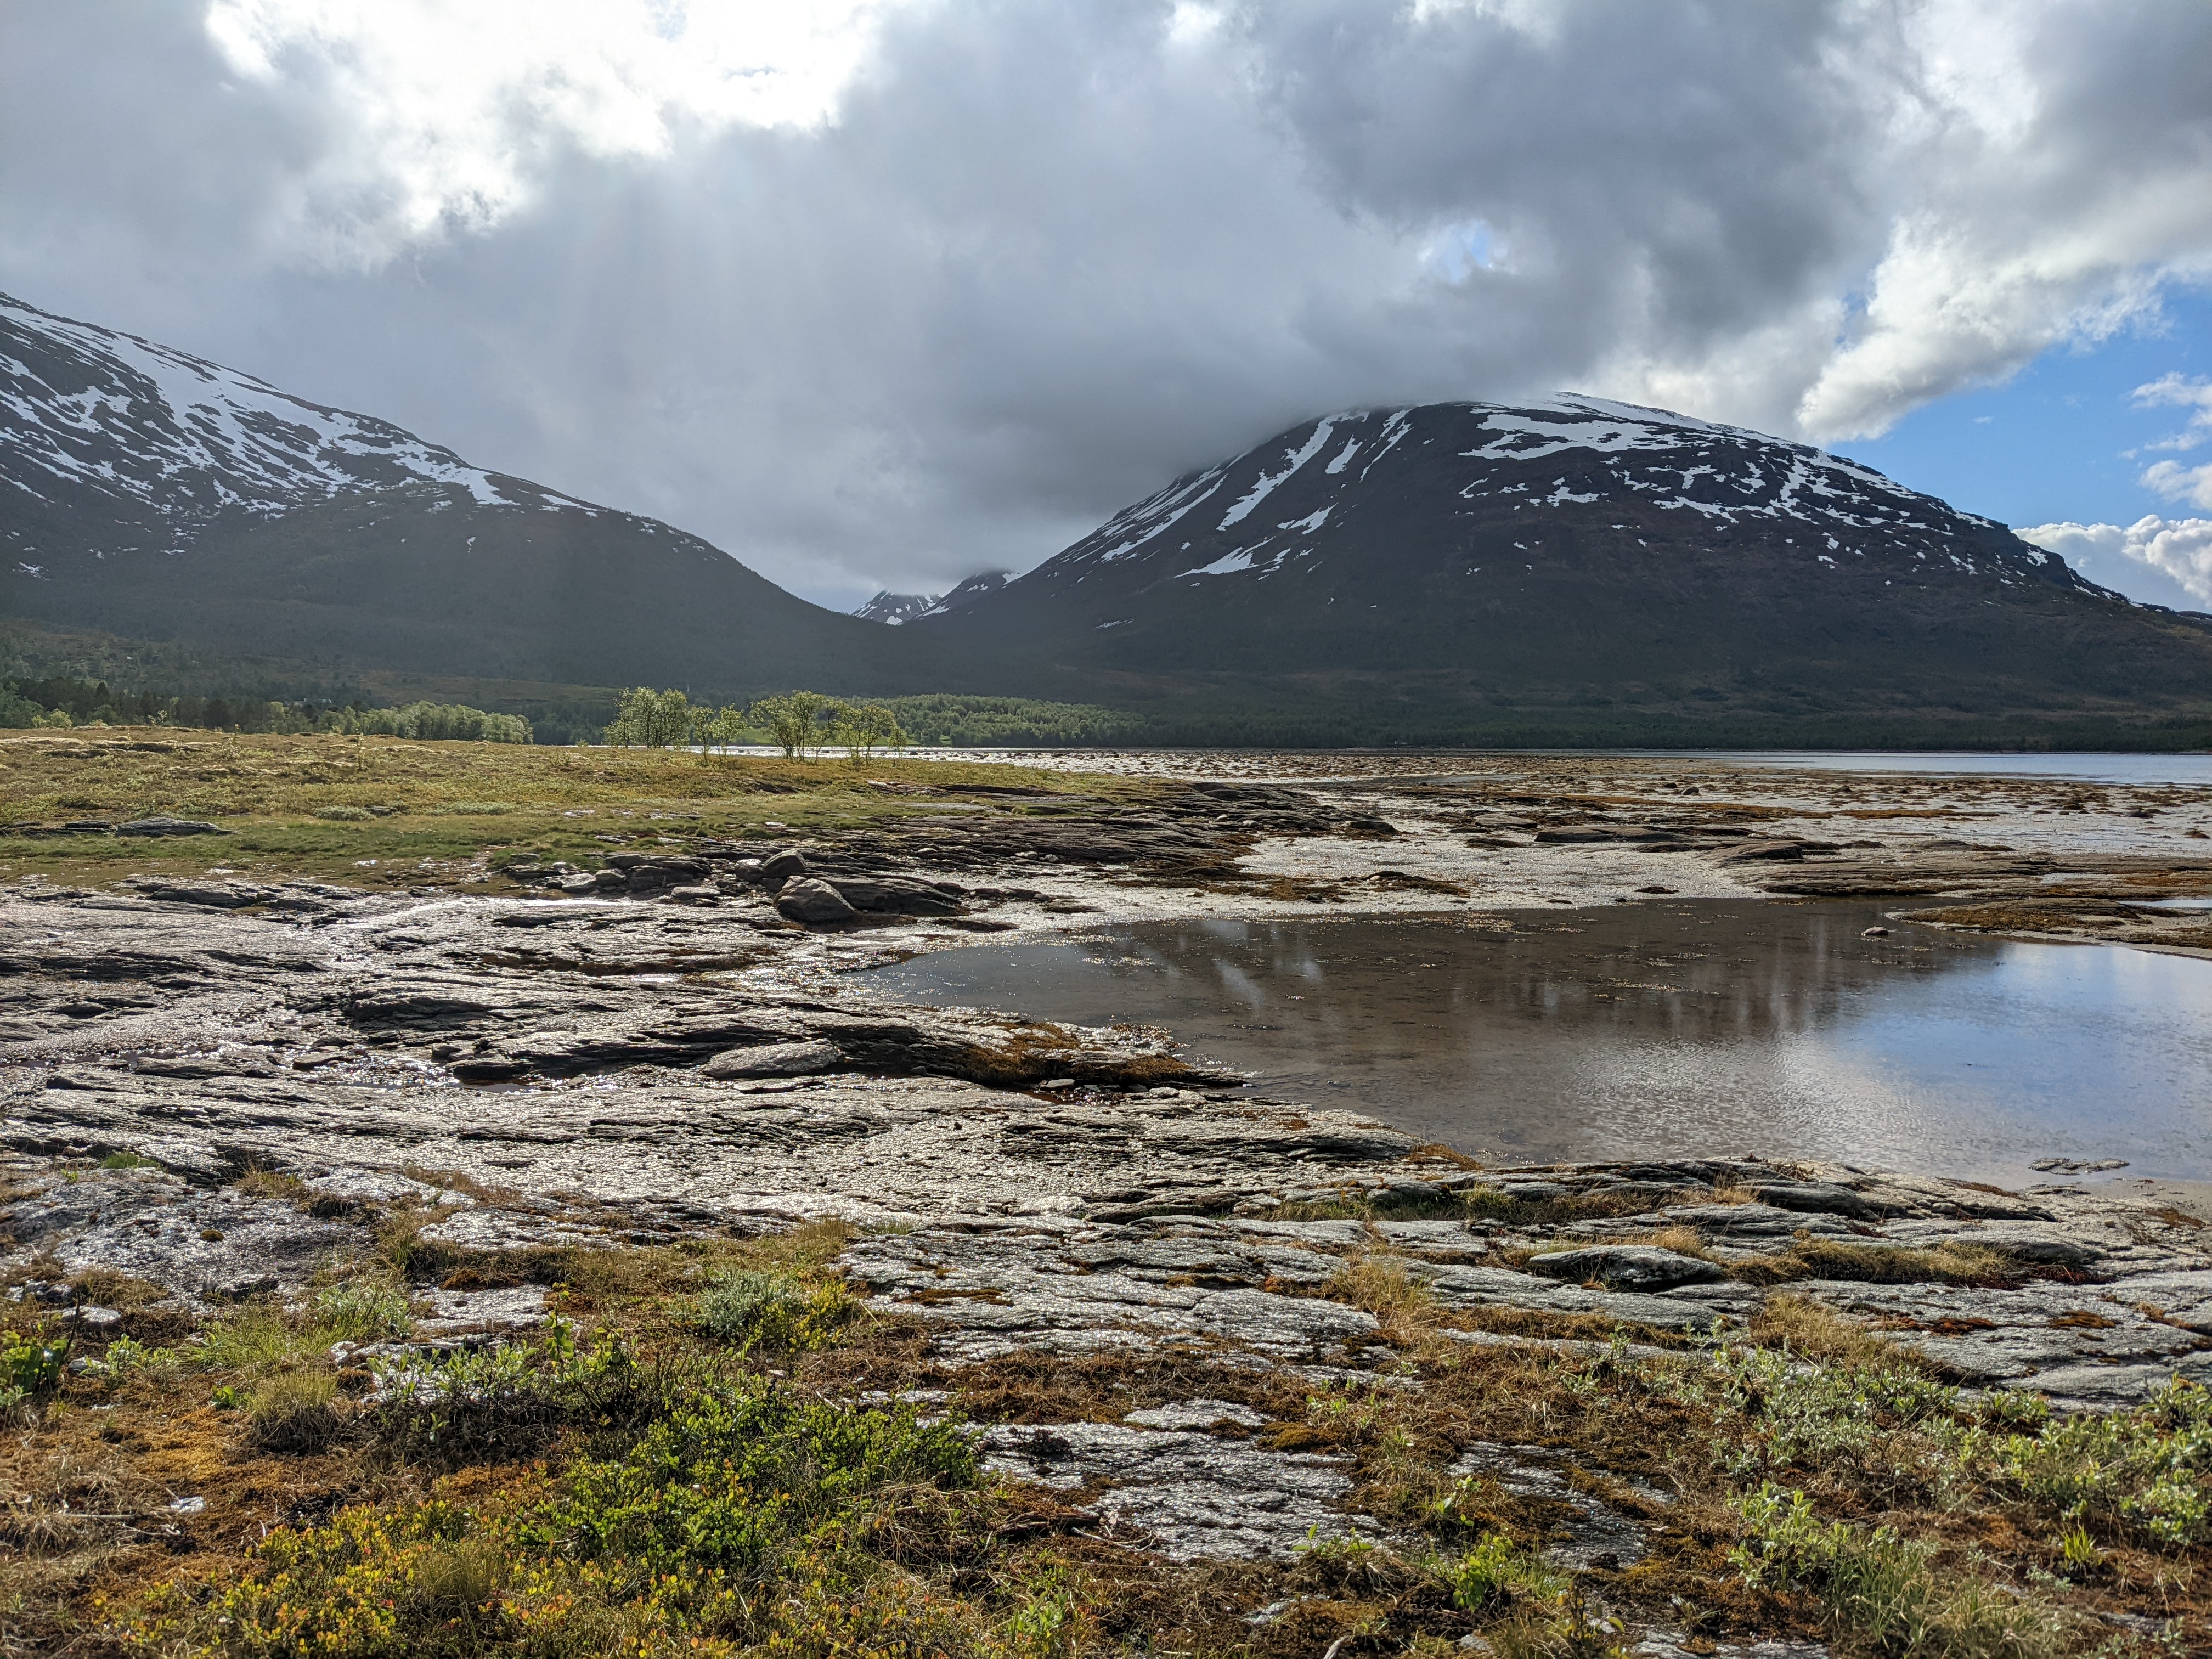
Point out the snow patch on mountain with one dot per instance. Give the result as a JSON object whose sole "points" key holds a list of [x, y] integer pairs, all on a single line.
{"points": [[86, 408]]}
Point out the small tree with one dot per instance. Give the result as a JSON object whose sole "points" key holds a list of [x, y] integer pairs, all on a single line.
{"points": [[791, 721], [646, 719], [862, 729], [718, 729]]}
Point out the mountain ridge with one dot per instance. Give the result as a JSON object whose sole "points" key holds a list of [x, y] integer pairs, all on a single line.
{"points": [[153, 495], [1574, 550], [1564, 570]]}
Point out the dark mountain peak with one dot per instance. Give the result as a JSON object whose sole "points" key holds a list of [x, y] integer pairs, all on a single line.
{"points": [[1569, 553], [981, 585], [1504, 478], [894, 609], [149, 493]]}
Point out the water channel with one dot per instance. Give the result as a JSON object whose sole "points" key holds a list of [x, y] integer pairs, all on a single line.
{"points": [[1672, 1027]]}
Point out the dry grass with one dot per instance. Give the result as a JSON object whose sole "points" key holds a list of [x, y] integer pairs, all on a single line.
{"points": [[1805, 1327], [566, 803]]}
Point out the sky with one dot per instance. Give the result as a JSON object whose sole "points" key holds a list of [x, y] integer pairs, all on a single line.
{"points": [[883, 293]]}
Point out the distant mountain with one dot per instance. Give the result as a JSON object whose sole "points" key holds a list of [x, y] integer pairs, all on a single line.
{"points": [[893, 610], [150, 494], [1570, 571], [1454, 566]]}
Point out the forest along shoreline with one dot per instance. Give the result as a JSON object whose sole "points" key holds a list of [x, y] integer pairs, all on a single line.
{"points": [[586, 1052]]}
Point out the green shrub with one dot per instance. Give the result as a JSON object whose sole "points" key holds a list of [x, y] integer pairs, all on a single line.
{"points": [[2148, 1467], [1881, 1589], [1495, 1569], [773, 1312], [723, 1526], [345, 814], [31, 1364]]}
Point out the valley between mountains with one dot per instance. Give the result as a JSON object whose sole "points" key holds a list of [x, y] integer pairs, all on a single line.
{"points": [[1566, 572]]}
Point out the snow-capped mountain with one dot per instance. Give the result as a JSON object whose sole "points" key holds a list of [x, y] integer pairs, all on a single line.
{"points": [[895, 610], [103, 426], [1493, 481], [1598, 551], [152, 494]]}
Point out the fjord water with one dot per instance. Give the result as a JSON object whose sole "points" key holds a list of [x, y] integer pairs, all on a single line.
{"points": [[1678, 1027]]}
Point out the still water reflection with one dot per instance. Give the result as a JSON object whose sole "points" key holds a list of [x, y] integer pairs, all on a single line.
{"points": [[1666, 1028]]}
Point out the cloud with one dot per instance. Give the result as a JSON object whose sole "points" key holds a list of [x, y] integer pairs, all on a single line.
{"points": [[887, 291], [2175, 482], [2161, 560]]}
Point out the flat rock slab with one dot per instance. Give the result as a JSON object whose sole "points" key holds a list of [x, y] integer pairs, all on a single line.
{"points": [[1192, 1496], [1626, 1267], [999, 1292]]}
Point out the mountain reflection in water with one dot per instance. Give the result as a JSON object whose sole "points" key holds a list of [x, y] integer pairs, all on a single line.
{"points": [[1667, 1028]]}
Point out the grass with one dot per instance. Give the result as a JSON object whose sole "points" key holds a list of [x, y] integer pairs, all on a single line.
{"points": [[706, 1452], [388, 811]]}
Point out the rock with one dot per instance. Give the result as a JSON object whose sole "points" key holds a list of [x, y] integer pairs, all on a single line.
{"points": [[209, 895], [781, 866], [1625, 1266], [1874, 933], [898, 897], [1761, 851], [1818, 1197], [1197, 1497], [815, 903], [694, 895], [96, 1321], [1595, 1530], [165, 826], [776, 1059]]}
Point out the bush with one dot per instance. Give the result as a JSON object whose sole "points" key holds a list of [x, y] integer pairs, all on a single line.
{"points": [[345, 814], [2148, 1467], [1881, 1589], [721, 1526], [1494, 1569], [436, 722], [773, 1312]]}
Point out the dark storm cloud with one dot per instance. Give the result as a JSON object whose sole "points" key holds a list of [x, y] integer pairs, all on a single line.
{"points": [[951, 282]]}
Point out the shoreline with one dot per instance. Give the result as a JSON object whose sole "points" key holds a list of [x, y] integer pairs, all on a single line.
{"points": [[1225, 1334]]}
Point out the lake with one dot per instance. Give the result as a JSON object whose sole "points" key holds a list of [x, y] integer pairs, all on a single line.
{"points": [[1672, 1028]]}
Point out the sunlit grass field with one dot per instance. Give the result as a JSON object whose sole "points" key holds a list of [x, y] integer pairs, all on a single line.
{"points": [[377, 810]]}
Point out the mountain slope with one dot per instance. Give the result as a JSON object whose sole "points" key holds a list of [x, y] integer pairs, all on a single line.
{"points": [[148, 493], [1578, 553]]}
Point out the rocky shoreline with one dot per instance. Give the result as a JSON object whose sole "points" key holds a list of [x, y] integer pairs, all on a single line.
{"points": [[216, 1087]]}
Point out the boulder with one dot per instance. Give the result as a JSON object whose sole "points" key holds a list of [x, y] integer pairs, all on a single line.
{"points": [[815, 903], [695, 895], [1625, 1266], [775, 1059], [898, 897], [780, 867]]}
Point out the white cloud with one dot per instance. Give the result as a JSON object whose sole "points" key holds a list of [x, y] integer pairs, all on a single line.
{"points": [[886, 291], [442, 117], [2175, 482], [2162, 561]]}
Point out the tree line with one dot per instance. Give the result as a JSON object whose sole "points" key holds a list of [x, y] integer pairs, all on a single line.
{"points": [[795, 721]]}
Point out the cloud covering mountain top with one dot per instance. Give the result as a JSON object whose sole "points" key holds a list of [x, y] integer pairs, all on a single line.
{"points": [[877, 292]]}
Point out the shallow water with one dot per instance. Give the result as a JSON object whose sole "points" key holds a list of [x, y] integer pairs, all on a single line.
{"points": [[2194, 770], [1670, 1029]]}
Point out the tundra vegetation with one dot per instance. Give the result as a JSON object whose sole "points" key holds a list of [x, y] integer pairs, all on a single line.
{"points": [[717, 1446], [380, 812]]}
